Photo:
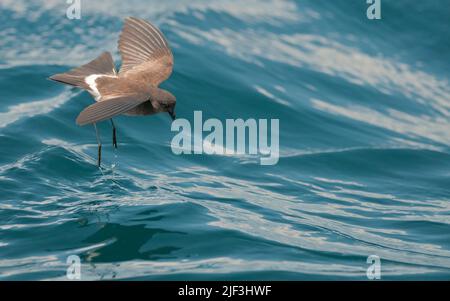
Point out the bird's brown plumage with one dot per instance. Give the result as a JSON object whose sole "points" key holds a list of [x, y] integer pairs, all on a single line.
{"points": [[146, 55], [146, 62]]}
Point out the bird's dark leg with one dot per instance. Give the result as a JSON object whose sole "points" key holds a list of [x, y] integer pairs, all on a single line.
{"points": [[99, 156], [114, 134]]}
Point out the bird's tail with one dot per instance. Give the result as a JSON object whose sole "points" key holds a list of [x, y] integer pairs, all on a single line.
{"points": [[102, 65]]}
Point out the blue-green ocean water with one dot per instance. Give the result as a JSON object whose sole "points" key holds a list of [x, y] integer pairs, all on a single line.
{"points": [[364, 169]]}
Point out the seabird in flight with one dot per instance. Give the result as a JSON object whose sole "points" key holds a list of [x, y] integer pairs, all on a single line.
{"points": [[147, 61]]}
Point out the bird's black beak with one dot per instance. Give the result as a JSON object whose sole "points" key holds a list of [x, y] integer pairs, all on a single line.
{"points": [[172, 114]]}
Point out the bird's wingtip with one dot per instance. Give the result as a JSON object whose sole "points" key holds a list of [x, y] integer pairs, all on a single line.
{"points": [[80, 122], [55, 77]]}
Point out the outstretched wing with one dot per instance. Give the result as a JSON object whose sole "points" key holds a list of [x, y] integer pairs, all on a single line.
{"points": [[145, 52], [101, 66], [106, 109]]}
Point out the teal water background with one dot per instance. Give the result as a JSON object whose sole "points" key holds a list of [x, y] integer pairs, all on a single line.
{"points": [[364, 169]]}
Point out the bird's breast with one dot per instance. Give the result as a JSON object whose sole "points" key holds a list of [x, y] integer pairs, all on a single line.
{"points": [[145, 108]]}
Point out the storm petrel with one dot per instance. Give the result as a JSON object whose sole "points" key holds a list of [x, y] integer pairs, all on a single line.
{"points": [[147, 61]]}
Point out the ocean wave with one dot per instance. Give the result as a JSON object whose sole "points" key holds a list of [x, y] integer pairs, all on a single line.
{"points": [[364, 147]]}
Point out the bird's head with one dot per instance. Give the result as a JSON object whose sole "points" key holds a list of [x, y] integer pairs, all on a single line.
{"points": [[167, 102]]}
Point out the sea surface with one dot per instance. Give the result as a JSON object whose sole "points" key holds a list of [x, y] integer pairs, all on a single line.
{"points": [[364, 168]]}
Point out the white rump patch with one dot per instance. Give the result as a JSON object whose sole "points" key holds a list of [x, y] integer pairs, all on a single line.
{"points": [[91, 81]]}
